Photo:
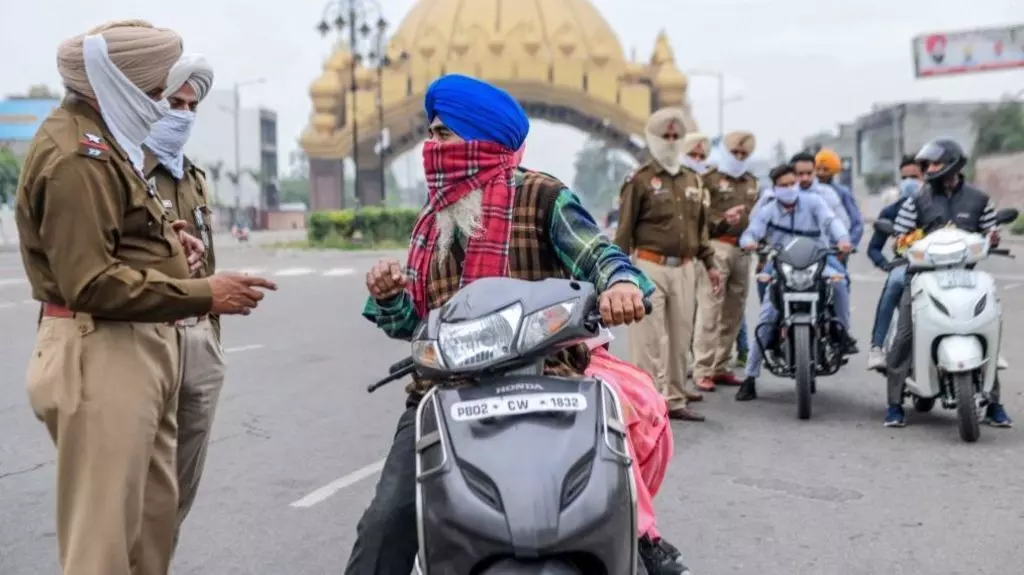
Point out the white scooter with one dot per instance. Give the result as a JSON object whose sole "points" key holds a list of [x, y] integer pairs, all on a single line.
{"points": [[957, 320]]}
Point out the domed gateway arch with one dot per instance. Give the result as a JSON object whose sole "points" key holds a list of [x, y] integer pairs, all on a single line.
{"points": [[559, 58]]}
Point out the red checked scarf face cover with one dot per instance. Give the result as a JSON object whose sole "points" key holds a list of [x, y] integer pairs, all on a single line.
{"points": [[454, 170]]}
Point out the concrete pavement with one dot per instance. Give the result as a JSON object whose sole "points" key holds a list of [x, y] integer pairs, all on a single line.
{"points": [[751, 491]]}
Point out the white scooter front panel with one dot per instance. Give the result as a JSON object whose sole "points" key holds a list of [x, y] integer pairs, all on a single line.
{"points": [[957, 327]]}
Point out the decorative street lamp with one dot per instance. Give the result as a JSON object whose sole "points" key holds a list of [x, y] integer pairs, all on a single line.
{"points": [[361, 18]]}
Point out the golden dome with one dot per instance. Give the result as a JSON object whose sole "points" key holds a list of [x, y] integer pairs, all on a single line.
{"points": [[478, 29]]}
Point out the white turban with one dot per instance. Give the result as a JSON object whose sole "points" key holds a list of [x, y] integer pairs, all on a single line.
{"points": [[194, 70]]}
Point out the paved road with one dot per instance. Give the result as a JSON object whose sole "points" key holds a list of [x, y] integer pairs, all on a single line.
{"points": [[751, 491]]}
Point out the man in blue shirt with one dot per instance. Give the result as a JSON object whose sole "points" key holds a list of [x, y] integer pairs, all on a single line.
{"points": [[912, 177], [786, 215], [827, 164]]}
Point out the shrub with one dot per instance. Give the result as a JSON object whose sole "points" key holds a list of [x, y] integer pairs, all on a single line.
{"points": [[368, 226], [1017, 227]]}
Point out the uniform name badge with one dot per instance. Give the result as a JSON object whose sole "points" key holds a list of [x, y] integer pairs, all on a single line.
{"points": [[692, 194]]}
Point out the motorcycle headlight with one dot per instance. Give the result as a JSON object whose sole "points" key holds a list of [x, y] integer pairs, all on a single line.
{"points": [[479, 341], [540, 325], [947, 254], [799, 279]]}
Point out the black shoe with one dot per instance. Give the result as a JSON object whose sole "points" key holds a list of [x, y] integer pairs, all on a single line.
{"points": [[661, 558], [850, 348], [748, 390]]}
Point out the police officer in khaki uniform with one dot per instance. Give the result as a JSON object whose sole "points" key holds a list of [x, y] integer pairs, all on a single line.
{"points": [[183, 189], [733, 192], [112, 275], [663, 224]]}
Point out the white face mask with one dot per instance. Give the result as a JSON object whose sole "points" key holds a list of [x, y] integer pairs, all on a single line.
{"points": [[699, 166], [127, 111], [667, 153], [167, 140], [786, 194], [731, 166]]}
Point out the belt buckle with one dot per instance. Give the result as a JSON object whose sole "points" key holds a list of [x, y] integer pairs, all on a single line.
{"points": [[187, 322], [673, 261]]}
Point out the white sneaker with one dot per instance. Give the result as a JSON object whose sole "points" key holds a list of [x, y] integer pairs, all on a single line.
{"points": [[876, 359], [1002, 363]]}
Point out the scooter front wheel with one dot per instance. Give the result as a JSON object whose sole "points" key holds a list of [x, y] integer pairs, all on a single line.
{"points": [[966, 408]]}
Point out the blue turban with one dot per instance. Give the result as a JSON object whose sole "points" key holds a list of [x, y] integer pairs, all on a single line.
{"points": [[476, 110]]}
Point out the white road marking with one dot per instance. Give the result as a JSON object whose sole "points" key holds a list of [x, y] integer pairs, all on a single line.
{"points": [[337, 272], [290, 272], [6, 305], [251, 271], [1009, 287], [337, 485], [12, 281], [239, 348]]}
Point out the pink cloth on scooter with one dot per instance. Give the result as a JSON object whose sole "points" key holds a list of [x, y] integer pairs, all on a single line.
{"points": [[648, 429]]}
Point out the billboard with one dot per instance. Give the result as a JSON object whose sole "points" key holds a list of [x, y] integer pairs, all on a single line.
{"points": [[968, 51]]}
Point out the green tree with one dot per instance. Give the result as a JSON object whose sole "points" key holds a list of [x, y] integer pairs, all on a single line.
{"points": [[600, 171], [1000, 130], [10, 169]]}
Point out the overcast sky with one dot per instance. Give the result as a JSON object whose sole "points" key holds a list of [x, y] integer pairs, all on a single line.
{"points": [[800, 66]]}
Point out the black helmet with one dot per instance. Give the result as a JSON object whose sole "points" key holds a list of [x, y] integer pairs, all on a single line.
{"points": [[947, 153]]}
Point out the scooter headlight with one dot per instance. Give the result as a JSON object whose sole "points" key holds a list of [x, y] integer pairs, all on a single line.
{"points": [[480, 341], [802, 279], [540, 325]]}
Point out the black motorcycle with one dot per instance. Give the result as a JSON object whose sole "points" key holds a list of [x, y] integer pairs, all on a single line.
{"points": [[518, 473], [806, 339]]}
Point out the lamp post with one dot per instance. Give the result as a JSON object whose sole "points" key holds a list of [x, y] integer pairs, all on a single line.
{"points": [[722, 100], [382, 60], [355, 17]]}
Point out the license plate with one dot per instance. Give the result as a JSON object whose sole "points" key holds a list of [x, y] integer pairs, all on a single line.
{"points": [[950, 279], [503, 406]]}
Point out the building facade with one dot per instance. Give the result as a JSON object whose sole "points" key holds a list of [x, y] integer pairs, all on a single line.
{"points": [[212, 146], [877, 141], [20, 118]]}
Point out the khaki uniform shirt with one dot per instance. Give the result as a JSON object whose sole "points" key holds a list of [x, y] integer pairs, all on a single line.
{"points": [[94, 236], [186, 200], [726, 193], [665, 214]]}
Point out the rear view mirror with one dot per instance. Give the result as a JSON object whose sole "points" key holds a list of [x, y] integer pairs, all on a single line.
{"points": [[1007, 215], [886, 227]]}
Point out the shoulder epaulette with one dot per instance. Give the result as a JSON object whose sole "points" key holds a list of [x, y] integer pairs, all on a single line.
{"points": [[91, 145]]}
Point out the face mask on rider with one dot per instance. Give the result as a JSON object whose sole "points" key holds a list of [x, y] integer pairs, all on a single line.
{"points": [[787, 194]]}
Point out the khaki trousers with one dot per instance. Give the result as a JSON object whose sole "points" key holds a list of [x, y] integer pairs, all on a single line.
{"points": [[108, 394], [719, 317], [202, 377], [661, 342]]}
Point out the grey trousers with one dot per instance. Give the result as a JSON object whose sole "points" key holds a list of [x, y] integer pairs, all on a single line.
{"points": [[386, 536], [900, 360], [202, 377]]}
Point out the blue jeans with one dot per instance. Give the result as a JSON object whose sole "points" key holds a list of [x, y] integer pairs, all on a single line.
{"points": [[887, 303], [742, 346]]}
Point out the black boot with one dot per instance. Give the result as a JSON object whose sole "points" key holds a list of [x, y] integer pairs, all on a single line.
{"points": [[748, 390], [661, 557]]}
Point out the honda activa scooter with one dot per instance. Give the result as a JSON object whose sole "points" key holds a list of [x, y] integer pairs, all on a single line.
{"points": [[518, 473], [957, 320]]}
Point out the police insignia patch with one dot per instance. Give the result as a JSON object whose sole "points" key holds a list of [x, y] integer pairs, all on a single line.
{"points": [[656, 184]]}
